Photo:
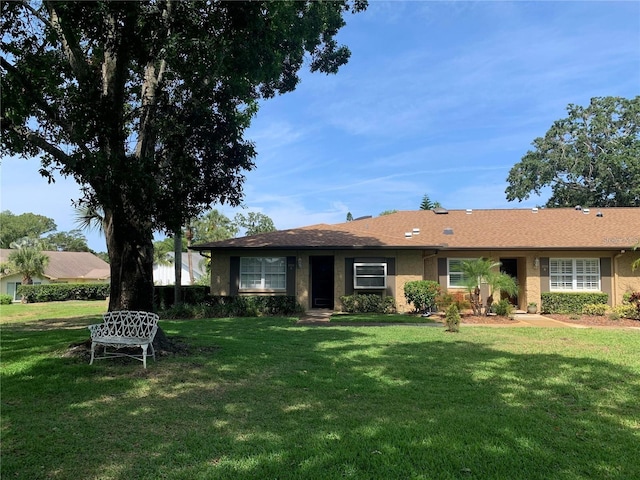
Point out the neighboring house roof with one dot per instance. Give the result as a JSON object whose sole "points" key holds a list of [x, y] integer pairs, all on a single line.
{"points": [[70, 265], [552, 228]]}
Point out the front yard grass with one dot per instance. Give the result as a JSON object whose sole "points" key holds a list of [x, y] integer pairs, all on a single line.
{"points": [[265, 399], [379, 318], [23, 312]]}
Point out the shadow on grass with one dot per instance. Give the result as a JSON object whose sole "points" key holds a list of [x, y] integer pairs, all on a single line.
{"points": [[276, 401]]}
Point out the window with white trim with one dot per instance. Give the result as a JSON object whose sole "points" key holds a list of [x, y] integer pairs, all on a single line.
{"points": [[574, 274], [370, 275], [455, 275], [263, 273]]}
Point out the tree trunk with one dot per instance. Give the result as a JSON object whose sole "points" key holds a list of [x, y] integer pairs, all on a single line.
{"points": [[130, 247], [177, 267]]}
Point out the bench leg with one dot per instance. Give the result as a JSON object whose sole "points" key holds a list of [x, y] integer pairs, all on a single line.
{"points": [[144, 354], [93, 349]]}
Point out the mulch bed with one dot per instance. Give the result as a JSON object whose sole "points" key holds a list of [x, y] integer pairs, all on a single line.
{"points": [[594, 320], [586, 320], [477, 320]]}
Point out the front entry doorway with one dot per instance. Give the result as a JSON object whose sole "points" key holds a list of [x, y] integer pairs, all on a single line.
{"points": [[510, 267], [322, 281]]}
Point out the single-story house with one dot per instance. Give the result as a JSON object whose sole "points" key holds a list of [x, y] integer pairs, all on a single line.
{"points": [[559, 249], [192, 264], [63, 267]]}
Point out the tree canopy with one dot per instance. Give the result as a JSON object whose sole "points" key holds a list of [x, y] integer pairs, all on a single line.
{"points": [[591, 158], [254, 223], [30, 228], [146, 103], [427, 204], [14, 227]]}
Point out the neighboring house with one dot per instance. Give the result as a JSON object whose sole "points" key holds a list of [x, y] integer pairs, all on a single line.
{"points": [[568, 250], [166, 274], [63, 267]]}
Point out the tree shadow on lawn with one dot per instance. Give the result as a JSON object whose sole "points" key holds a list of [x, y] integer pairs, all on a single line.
{"points": [[282, 402]]}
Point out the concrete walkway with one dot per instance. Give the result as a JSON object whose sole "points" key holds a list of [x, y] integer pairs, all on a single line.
{"points": [[536, 320], [322, 317], [319, 316]]}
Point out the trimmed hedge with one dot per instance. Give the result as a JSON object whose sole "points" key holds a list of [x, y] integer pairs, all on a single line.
{"points": [[60, 292], [422, 294], [241, 306], [164, 295], [368, 303], [6, 299], [570, 302]]}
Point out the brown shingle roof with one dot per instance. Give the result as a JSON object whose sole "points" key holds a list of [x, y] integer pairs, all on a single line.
{"points": [[558, 228], [70, 265]]}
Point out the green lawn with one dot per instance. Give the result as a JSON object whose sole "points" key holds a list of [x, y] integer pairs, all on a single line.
{"points": [[379, 318], [265, 399], [24, 312]]}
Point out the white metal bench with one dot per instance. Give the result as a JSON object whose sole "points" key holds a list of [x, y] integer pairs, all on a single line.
{"points": [[122, 329]]}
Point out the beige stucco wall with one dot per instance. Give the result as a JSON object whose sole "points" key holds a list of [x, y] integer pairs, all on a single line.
{"points": [[423, 265], [625, 279], [220, 275]]}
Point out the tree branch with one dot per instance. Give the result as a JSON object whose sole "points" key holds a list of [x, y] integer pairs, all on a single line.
{"points": [[70, 46], [39, 101], [36, 140], [36, 13], [152, 80]]}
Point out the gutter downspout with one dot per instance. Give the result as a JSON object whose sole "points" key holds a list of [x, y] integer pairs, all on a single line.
{"points": [[424, 258], [614, 287]]}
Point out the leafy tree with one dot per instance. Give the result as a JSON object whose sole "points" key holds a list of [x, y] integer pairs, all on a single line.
{"points": [[71, 241], [349, 217], [213, 226], [591, 158], [28, 261], [387, 212], [161, 251], [146, 103], [14, 227], [427, 204], [254, 223]]}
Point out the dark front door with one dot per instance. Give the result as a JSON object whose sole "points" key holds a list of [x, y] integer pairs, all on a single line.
{"points": [[322, 282], [510, 267]]}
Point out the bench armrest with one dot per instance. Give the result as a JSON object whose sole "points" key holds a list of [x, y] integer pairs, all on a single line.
{"points": [[97, 330]]}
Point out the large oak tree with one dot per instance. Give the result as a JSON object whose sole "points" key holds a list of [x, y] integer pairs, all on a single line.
{"points": [[145, 104], [591, 158]]}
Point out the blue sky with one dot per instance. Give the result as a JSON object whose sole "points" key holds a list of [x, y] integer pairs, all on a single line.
{"points": [[439, 98]]}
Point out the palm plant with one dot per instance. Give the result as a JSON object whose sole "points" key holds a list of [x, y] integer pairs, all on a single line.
{"points": [[90, 217], [483, 270], [29, 261], [500, 281], [474, 272]]}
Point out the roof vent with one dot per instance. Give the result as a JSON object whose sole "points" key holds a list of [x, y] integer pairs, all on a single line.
{"points": [[534, 210], [599, 214], [585, 211], [416, 231], [407, 234], [440, 211], [448, 231], [469, 211]]}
